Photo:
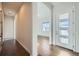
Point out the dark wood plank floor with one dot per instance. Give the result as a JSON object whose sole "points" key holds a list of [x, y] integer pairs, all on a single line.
{"points": [[45, 49], [13, 48]]}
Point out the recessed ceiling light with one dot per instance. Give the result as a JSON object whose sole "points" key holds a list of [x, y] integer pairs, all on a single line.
{"points": [[10, 12]]}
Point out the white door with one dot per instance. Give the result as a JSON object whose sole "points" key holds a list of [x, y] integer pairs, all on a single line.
{"points": [[8, 28], [65, 30]]}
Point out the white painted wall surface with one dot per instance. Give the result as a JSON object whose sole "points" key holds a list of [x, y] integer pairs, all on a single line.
{"points": [[77, 27], [24, 26], [35, 29]]}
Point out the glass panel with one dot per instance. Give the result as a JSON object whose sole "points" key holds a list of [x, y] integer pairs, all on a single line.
{"points": [[63, 28], [64, 32], [64, 40], [45, 26], [64, 24]]}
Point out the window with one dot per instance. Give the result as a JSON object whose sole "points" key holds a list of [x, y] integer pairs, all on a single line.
{"points": [[64, 40], [64, 28], [64, 23], [64, 33], [45, 26]]}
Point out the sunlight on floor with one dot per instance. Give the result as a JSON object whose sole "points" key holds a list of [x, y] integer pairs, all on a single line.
{"points": [[63, 53], [45, 49]]}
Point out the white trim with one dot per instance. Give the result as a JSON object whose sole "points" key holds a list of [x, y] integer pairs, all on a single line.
{"points": [[4, 39], [34, 27], [76, 51], [23, 46]]}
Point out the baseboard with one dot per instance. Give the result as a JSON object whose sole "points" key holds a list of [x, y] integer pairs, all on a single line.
{"points": [[23, 46], [7, 39], [76, 51]]}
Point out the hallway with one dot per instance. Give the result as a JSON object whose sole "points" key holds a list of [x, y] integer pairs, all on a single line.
{"points": [[13, 48], [44, 49], [16, 23]]}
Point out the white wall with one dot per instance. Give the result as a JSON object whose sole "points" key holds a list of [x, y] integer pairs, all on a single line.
{"points": [[15, 27], [24, 26], [35, 28], [77, 27], [8, 28]]}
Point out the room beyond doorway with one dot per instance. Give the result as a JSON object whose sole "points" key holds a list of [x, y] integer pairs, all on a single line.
{"points": [[45, 49]]}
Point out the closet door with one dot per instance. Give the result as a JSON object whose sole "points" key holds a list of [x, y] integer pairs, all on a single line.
{"points": [[65, 30]]}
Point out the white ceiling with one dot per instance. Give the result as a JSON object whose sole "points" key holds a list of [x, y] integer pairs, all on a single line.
{"points": [[11, 8], [63, 3]]}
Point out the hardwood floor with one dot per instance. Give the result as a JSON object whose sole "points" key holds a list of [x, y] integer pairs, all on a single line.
{"points": [[13, 48], [45, 49]]}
